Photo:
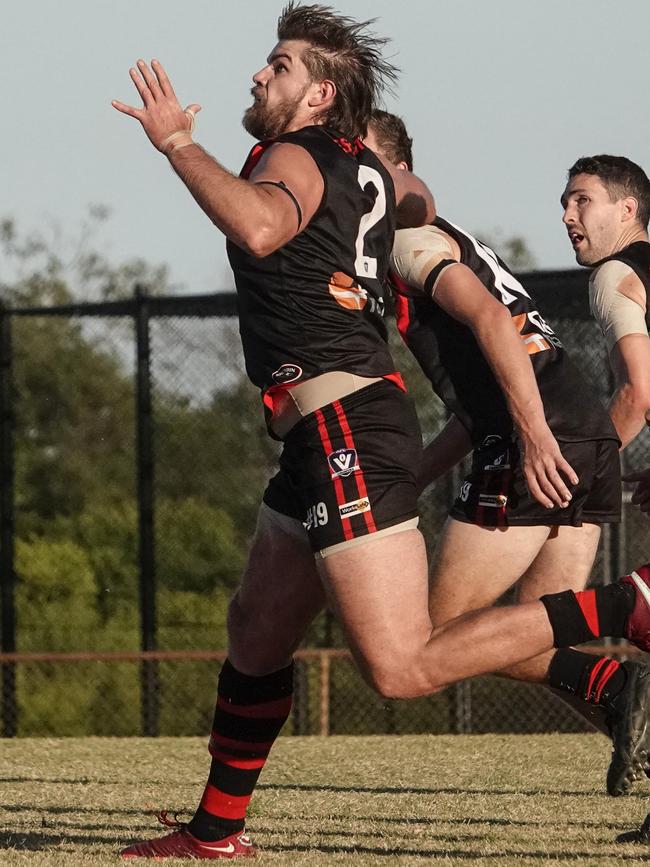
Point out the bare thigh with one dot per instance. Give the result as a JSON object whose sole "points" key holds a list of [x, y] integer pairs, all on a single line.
{"points": [[279, 596], [564, 563], [379, 590], [473, 566]]}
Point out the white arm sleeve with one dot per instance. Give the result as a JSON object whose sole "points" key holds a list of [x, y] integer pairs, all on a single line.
{"points": [[616, 313], [416, 252]]}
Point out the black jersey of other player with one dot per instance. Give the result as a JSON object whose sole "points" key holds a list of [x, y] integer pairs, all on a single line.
{"points": [[317, 303], [637, 256], [452, 360]]}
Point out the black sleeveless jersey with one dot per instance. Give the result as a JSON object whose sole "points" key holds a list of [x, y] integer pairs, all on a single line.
{"points": [[637, 256], [452, 360], [317, 303]]}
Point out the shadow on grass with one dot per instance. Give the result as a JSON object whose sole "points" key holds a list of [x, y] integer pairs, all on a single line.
{"points": [[62, 810], [427, 820], [437, 790], [38, 842], [563, 857]]}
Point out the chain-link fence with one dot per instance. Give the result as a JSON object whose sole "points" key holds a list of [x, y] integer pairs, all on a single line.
{"points": [[133, 460]]}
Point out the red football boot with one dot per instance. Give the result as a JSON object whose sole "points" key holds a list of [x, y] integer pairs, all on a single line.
{"points": [[637, 629], [182, 844]]}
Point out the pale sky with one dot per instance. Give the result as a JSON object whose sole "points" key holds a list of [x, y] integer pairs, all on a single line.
{"points": [[500, 97]]}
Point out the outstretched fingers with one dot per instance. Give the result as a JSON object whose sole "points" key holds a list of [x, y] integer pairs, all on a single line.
{"points": [[151, 81], [163, 80], [127, 109]]}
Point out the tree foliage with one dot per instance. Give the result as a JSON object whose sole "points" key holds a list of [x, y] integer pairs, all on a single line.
{"points": [[514, 250], [75, 483]]}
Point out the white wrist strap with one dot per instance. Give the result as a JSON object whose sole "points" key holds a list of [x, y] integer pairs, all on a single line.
{"points": [[180, 138]]}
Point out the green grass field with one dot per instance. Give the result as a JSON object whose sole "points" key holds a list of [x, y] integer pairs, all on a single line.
{"points": [[482, 800]]}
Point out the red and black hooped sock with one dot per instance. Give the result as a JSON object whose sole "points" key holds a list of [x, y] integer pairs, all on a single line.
{"points": [[249, 715], [588, 614], [596, 679]]}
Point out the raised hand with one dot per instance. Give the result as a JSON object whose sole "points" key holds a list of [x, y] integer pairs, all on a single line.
{"points": [[167, 125]]}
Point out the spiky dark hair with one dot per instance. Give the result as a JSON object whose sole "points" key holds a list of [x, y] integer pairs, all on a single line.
{"points": [[346, 52]]}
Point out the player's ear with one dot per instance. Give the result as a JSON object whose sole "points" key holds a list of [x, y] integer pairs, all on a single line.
{"points": [[322, 94], [630, 208], [402, 166]]}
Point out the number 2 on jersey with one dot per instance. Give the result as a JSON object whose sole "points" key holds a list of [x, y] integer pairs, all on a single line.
{"points": [[366, 266]]}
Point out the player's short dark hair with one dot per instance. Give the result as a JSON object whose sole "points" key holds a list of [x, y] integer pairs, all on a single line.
{"points": [[392, 137], [620, 177], [342, 50]]}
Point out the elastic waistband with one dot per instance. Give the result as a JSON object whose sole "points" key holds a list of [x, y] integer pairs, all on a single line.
{"points": [[294, 403]]}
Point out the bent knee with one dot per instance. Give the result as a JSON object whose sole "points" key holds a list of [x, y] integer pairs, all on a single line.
{"points": [[403, 682]]}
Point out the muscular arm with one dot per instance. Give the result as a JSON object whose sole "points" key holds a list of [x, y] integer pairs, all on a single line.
{"points": [[426, 255], [618, 302], [630, 404], [258, 217], [463, 296]]}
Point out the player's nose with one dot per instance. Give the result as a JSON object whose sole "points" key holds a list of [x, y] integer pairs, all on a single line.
{"points": [[262, 76]]}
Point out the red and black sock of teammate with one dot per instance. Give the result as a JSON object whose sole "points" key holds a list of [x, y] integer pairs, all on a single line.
{"points": [[588, 614], [249, 715], [597, 680]]}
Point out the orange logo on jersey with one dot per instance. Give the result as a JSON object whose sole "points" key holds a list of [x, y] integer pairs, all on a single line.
{"points": [[346, 292], [533, 342]]}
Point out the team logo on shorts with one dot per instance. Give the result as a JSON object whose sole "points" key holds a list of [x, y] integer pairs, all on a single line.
{"points": [[355, 507], [464, 491], [286, 373], [343, 462]]}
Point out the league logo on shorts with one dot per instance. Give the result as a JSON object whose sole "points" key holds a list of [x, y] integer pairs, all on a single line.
{"points": [[287, 373], [343, 462]]}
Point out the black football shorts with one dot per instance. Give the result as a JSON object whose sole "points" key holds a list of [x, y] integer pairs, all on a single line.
{"points": [[350, 468], [495, 493]]}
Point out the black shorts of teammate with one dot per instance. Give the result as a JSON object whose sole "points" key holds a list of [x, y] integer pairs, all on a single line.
{"points": [[349, 468], [495, 494]]}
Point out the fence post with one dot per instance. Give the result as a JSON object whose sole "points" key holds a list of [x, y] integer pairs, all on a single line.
{"points": [[149, 675], [7, 572], [324, 693]]}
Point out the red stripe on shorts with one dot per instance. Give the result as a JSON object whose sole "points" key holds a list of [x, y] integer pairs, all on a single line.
{"points": [[338, 484], [358, 475]]}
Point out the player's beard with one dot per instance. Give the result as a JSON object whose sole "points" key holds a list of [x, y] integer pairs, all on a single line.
{"points": [[264, 123]]}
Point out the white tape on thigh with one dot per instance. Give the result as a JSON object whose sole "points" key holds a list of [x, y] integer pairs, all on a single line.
{"points": [[411, 524]]}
